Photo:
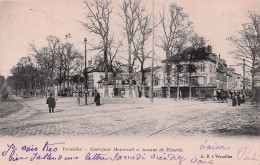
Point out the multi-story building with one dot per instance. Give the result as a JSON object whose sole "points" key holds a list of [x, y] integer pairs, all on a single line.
{"points": [[117, 86], [203, 71], [198, 71], [234, 80], [158, 81], [222, 74]]}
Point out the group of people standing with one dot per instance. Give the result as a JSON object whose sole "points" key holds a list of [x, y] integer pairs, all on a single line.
{"points": [[237, 99]]}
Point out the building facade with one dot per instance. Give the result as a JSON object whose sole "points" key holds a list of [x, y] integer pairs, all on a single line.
{"points": [[209, 75]]}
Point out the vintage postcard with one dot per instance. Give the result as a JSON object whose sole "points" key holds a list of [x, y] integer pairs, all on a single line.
{"points": [[130, 82]]}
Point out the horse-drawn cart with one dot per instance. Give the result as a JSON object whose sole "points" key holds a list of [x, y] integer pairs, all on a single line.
{"points": [[223, 96]]}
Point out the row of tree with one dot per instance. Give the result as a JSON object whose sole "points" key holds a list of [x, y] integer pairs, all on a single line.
{"points": [[137, 25], [53, 64], [57, 62], [247, 48]]}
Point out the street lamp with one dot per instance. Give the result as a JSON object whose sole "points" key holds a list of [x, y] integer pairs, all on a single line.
{"points": [[85, 73]]}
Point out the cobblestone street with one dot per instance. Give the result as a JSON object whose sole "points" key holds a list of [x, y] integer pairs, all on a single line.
{"points": [[127, 117]]}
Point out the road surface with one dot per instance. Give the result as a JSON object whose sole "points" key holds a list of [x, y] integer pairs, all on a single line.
{"points": [[129, 117]]}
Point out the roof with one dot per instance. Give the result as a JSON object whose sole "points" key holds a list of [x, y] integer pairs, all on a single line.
{"points": [[101, 68], [221, 71], [123, 77], [192, 54]]}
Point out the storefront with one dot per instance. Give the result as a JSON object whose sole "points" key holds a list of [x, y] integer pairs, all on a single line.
{"points": [[197, 92]]}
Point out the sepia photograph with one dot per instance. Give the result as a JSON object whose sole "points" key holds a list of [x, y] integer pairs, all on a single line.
{"points": [[133, 70]]}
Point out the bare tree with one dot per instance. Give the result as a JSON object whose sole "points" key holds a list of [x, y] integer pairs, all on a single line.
{"points": [[255, 17], [247, 46], [60, 65], [139, 43], [53, 43], [131, 11], [70, 63], [197, 41], [114, 64], [98, 18], [176, 30], [44, 61]]}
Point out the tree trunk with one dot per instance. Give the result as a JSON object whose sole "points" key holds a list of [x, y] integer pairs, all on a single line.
{"points": [[178, 88], [68, 94], [143, 80], [46, 89], [253, 84], [129, 56], [106, 73], [64, 76], [190, 86], [114, 79], [130, 68], [168, 72]]}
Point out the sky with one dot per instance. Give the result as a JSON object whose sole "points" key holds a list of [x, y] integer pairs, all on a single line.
{"points": [[25, 21]]}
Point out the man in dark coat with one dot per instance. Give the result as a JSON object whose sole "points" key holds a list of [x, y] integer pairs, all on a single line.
{"points": [[97, 98], [51, 103], [239, 100], [243, 98]]}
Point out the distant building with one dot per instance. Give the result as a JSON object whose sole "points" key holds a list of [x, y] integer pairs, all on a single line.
{"points": [[117, 86], [222, 75], [158, 81]]}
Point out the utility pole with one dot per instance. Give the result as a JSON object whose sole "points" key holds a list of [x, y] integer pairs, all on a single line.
{"points": [[85, 73], [244, 74], [151, 94]]}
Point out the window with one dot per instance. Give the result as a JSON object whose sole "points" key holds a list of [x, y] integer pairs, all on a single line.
{"points": [[195, 81], [156, 81], [212, 80], [210, 68], [202, 67], [181, 81], [202, 80], [185, 80], [100, 85]]}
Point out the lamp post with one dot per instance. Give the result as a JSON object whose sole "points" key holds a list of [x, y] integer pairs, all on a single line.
{"points": [[85, 73]]}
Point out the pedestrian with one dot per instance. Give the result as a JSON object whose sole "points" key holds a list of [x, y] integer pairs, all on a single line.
{"points": [[231, 94], [97, 98], [234, 100], [243, 98], [239, 99], [218, 95], [51, 103]]}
